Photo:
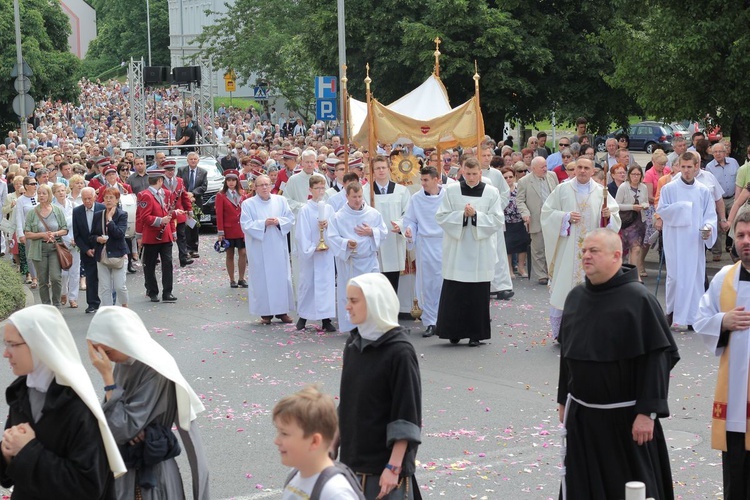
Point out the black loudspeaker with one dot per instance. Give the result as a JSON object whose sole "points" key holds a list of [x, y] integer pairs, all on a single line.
{"points": [[154, 74], [186, 74]]}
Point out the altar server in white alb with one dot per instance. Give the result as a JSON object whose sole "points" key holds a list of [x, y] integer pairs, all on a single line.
{"points": [[723, 320], [426, 236], [266, 220], [390, 200], [571, 211], [502, 284], [337, 199], [470, 214], [688, 212], [354, 234], [316, 288]]}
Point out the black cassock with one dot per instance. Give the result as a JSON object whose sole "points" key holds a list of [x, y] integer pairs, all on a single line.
{"points": [[616, 346]]}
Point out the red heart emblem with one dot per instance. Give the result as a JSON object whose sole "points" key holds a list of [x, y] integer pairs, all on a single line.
{"points": [[425, 129]]}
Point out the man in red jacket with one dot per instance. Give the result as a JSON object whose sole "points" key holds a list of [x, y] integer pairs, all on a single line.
{"points": [[154, 228], [181, 204]]}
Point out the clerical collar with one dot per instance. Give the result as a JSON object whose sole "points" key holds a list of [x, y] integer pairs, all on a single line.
{"points": [[682, 178]]}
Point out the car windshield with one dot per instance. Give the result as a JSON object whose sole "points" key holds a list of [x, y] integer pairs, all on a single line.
{"points": [[212, 166]]}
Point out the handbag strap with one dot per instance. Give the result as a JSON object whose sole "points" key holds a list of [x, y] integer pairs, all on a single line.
{"points": [[38, 211], [104, 226]]}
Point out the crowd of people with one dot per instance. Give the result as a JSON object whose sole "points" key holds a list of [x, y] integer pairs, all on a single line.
{"points": [[311, 225]]}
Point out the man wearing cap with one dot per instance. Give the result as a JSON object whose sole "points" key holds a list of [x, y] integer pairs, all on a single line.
{"points": [[97, 180], [111, 179], [290, 163], [154, 228], [196, 180], [181, 203], [253, 167]]}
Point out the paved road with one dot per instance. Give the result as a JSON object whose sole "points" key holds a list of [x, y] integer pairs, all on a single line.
{"points": [[490, 420]]}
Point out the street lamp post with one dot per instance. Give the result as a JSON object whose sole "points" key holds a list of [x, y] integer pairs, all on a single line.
{"points": [[148, 30]]}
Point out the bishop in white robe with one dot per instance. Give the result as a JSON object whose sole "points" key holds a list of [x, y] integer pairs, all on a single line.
{"points": [[686, 207], [354, 235], [572, 210], [266, 220], [470, 214], [425, 235]]}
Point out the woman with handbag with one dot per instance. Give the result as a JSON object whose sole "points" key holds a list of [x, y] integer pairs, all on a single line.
{"points": [[632, 197], [44, 228], [69, 286], [111, 253]]}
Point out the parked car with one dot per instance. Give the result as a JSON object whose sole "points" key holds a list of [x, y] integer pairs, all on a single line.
{"points": [[643, 137], [681, 130], [215, 181], [710, 130]]}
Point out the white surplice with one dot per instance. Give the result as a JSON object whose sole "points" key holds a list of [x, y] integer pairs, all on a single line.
{"points": [[427, 239], [708, 325], [364, 259], [470, 249], [392, 252], [685, 209], [502, 280], [563, 241], [270, 291], [316, 288]]}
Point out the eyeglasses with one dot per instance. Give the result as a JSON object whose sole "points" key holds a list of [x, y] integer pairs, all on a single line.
{"points": [[567, 156], [13, 345], [564, 145], [522, 171], [31, 184]]}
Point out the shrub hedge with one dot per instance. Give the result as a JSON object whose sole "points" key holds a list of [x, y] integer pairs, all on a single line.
{"points": [[12, 296]]}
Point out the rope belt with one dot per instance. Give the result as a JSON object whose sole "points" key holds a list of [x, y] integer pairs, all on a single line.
{"points": [[564, 432]]}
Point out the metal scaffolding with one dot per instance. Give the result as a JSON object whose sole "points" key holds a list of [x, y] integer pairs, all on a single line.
{"points": [[205, 107], [137, 103]]}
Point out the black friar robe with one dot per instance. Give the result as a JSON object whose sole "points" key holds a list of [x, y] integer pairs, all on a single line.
{"points": [[616, 347]]}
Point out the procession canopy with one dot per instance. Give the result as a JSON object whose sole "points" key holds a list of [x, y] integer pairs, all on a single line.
{"points": [[424, 115]]}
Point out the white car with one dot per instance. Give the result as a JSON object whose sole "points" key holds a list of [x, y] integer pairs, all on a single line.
{"points": [[215, 180]]}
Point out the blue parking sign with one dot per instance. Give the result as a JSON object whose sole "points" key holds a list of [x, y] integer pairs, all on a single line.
{"points": [[325, 109]]}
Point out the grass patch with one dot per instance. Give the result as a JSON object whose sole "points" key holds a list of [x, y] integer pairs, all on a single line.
{"points": [[570, 127], [237, 102], [12, 296]]}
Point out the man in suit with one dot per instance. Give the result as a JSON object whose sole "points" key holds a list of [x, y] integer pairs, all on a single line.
{"points": [[83, 218], [196, 180], [533, 191]]}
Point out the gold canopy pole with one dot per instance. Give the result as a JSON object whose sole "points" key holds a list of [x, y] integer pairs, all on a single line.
{"points": [[437, 56], [345, 114], [479, 111], [371, 133]]}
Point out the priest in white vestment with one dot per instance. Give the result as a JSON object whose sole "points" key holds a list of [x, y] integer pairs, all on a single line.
{"points": [[572, 210], [502, 283], [426, 236], [723, 321], [470, 214], [266, 220], [354, 234], [316, 288], [390, 200], [688, 213]]}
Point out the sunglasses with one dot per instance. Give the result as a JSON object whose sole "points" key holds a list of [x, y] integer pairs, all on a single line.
{"points": [[31, 184], [569, 169], [567, 156], [522, 171], [564, 145]]}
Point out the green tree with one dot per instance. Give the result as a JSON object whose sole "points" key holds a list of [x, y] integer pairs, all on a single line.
{"points": [[533, 57], [686, 60], [44, 40], [122, 33], [261, 39]]}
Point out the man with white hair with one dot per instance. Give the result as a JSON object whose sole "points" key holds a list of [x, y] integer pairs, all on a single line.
{"points": [[297, 188]]}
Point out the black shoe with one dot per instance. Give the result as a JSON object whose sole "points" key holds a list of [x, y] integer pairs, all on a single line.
{"points": [[232, 284], [328, 326], [505, 294], [429, 331], [91, 309], [690, 328], [242, 283], [187, 262], [195, 255], [543, 281], [301, 323], [455, 341], [154, 298], [131, 270], [474, 343], [169, 298]]}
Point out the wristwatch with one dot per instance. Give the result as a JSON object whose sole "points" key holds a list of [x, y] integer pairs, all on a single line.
{"points": [[653, 416], [393, 468]]}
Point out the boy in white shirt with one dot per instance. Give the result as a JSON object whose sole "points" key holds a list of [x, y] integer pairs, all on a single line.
{"points": [[306, 424]]}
